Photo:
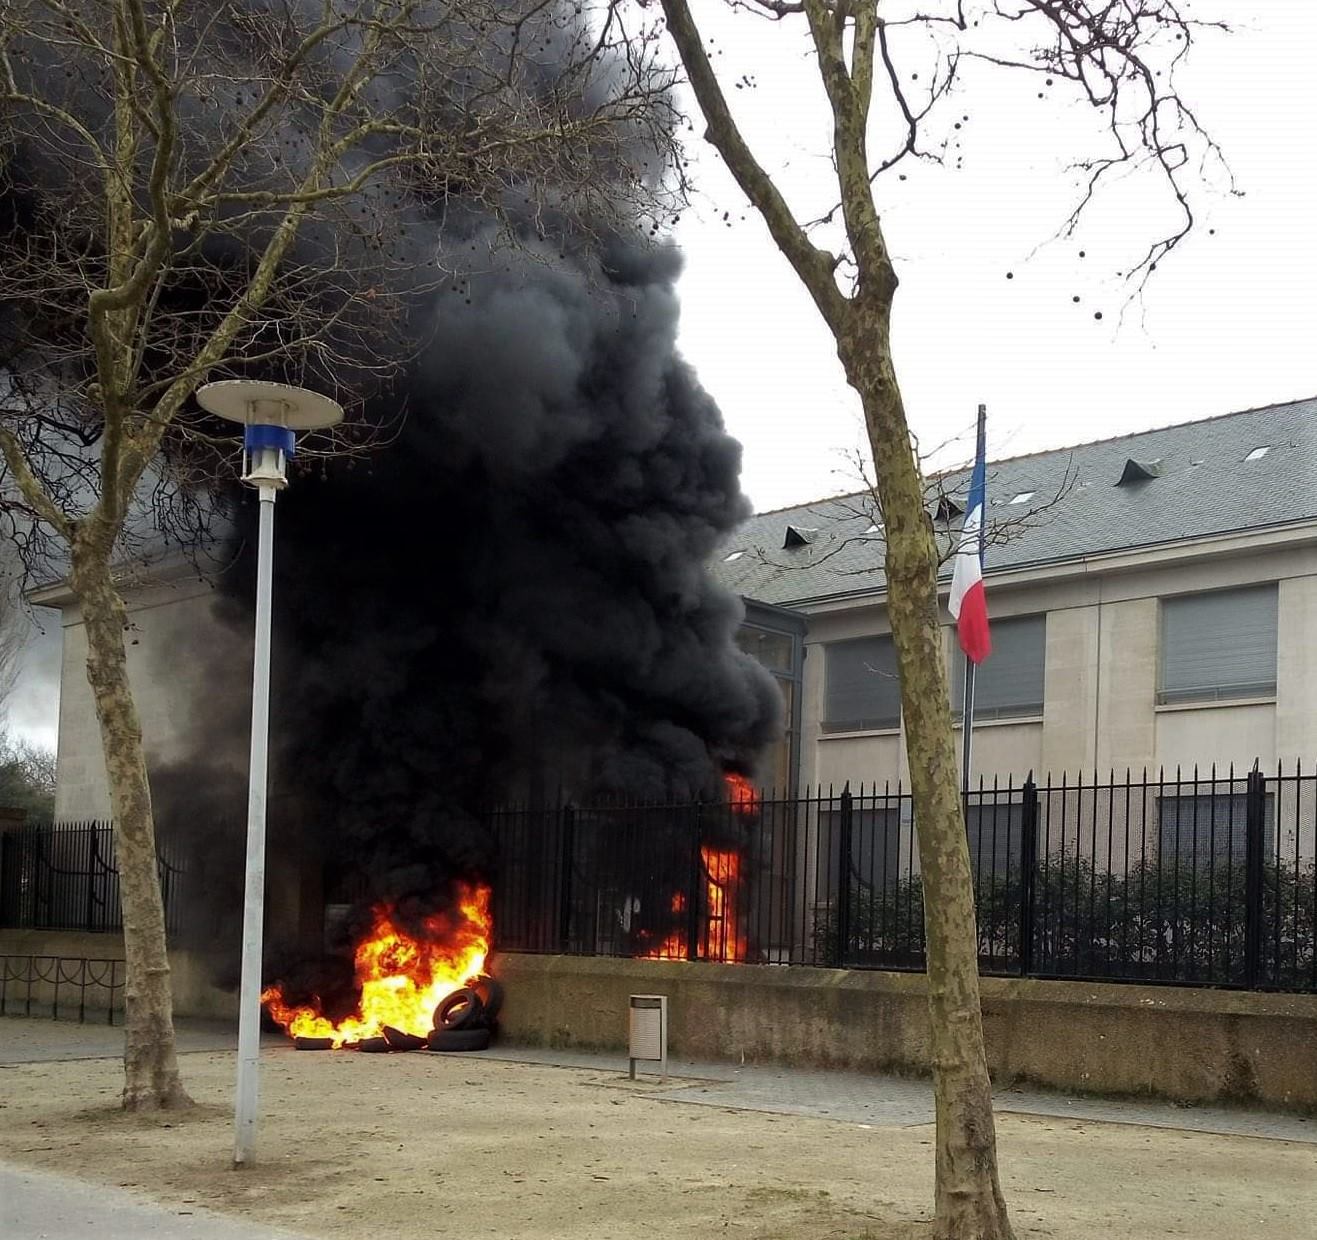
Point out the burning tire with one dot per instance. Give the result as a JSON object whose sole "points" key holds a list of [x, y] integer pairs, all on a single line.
{"points": [[459, 1039], [400, 1041], [314, 1044], [459, 1011], [374, 1046], [490, 991]]}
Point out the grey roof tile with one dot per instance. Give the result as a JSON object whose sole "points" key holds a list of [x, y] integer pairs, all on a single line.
{"points": [[1205, 488]]}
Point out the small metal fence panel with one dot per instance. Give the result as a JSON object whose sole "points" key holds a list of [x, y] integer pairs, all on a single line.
{"points": [[61, 987]]}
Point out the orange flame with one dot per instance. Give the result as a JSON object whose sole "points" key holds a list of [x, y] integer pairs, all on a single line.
{"points": [[722, 938], [740, 793], [402, 978]]}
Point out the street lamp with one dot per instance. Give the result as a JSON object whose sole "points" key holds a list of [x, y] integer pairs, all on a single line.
{"points": [[271, 415]]}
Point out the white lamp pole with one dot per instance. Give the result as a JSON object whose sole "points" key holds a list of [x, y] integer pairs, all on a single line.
{"points": [[271, 414]]}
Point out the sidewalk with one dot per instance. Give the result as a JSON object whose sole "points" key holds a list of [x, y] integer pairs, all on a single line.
{"points": [[35, 1205], [853, 1097]]}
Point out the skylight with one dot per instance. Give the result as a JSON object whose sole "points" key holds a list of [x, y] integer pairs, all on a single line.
{"points": [[1258, 453], [1023, 497], [736, 555]]}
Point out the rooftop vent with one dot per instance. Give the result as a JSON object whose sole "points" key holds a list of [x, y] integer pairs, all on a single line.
{"points": [[948, 509], [731, 559], [798, 536], [1139, 471], [1258, 453], [1023, 497]]}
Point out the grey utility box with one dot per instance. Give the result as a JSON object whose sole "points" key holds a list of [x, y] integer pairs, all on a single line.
{"points": [[648, 1032]]}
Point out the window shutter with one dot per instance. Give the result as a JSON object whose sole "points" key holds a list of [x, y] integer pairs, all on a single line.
{"points": [[861, 689], [1009, 682], [1219, 645]]}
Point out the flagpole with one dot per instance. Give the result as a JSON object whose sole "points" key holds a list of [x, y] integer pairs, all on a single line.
{"points": [[967, 719]]}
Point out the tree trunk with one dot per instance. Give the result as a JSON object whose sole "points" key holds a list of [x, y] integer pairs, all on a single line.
{"points": [[151, 1077], [969, 1204]]}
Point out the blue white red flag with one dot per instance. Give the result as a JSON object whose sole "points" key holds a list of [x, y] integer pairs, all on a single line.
{"points": [[968, 603]]}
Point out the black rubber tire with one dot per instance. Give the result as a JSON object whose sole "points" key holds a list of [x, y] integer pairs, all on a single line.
{"points": [[460, 1010], [490, 990], [314, 1044], [459, 1039], [374, 1046], [400, 1041]]}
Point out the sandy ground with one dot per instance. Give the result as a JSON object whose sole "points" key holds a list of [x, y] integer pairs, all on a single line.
{"points": [[422, 1145]]}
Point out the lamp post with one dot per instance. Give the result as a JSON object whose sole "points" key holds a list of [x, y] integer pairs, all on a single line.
{"points": [[271, 415]]}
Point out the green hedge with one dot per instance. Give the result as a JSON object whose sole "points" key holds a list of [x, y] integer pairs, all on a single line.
{"points": [[1151, 923]]}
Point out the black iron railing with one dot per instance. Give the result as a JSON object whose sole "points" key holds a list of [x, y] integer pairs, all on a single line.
{"points": [[1187, 879], [65, 876], [61, 987]]}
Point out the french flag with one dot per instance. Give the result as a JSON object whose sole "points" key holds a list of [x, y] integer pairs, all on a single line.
{"points": [[968, 603]]}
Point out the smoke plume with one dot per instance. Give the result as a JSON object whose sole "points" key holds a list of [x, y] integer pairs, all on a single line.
{"points": [[510, 599]]}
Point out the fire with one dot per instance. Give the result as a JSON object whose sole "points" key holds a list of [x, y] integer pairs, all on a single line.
{"points": [[722, 939], [402, 979], [740, 793]]}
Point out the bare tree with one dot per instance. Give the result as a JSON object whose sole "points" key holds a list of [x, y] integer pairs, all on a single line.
{"points": [[1120, 55], [263, 188]]}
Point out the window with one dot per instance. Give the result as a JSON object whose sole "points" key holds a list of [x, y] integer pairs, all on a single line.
{"points": [[1207, 830], [874, 846], [1009, 683], [860, 686], [776, 651], [1218, 646]]}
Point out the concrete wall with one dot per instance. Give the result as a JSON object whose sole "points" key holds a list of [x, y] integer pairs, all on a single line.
{"points": [[1186, 1045], [1102, 657], [194, 992]]}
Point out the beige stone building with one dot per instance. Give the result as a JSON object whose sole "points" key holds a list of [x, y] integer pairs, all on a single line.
{"points": [[1153, 602]]}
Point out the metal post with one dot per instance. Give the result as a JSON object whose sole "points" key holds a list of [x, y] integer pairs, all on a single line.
{"points": [[253, 909], [844, 861], [1255, 811], [967, 732], [566, 864], [1028, 872], [694, 902]]}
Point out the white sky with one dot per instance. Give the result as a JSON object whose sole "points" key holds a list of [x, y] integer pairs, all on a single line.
{"points": [[1228, 322]]}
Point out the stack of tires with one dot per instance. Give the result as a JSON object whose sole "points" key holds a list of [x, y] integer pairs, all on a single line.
{"points": [[467, 1020]]}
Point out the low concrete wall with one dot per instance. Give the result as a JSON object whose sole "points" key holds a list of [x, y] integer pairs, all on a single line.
{"points": [[194, 993], [1182, 1044]]}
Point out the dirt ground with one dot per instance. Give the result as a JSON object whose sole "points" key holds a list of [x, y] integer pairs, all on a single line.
{"points": [[410, 1146]]}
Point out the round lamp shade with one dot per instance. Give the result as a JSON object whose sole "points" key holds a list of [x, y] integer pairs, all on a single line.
{"points": [[253, 402]]}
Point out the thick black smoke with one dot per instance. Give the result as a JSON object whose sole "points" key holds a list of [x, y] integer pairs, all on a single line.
{"points": [[510, 599]]}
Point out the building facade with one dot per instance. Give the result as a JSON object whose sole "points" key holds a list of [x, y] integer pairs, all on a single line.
{"points": [[1153, 602]]}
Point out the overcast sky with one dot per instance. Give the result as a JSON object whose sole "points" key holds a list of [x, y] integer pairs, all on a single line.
{"points": [[1227, 323]]}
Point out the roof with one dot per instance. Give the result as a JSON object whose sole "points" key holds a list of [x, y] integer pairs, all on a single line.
{"points": [[1187, 481]]}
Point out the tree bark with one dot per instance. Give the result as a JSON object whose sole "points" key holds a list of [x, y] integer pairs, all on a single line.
{"points": [[151, 1078], [968, 1198]]}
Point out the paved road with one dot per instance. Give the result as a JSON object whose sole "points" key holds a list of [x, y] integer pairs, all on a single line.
{"points": [[35, 1205]]}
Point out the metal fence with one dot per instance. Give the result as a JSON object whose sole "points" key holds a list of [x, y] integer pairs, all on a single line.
{"points": [[64, 876], [59, 986], [1188, 879]]}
